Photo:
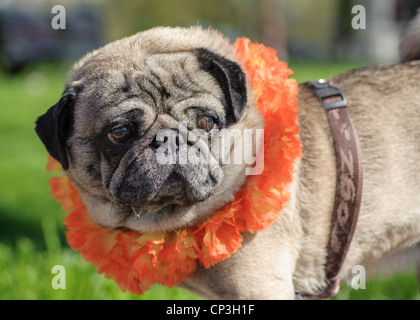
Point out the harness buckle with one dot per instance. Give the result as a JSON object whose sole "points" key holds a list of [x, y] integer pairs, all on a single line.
{"points": [[329, 96]]}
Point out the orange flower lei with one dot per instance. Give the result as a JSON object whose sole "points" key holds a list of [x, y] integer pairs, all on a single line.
{"points": [[136, 261]]}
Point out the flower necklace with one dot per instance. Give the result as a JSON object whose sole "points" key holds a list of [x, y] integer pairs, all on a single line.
{"points": [[137, 260]]}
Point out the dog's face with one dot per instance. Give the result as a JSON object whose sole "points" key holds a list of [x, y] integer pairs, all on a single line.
{"points": [[137, 124]]}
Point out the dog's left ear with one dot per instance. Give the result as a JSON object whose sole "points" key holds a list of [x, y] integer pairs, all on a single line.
{"points": [[231, 79], [55, 127]]}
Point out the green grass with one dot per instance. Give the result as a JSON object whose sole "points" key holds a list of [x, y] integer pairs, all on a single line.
{"points": [[31, 232], [26, 273]]}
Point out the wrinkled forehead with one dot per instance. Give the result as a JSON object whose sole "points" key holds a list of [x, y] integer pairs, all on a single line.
{"points": [[156, 79], [154, 84]]}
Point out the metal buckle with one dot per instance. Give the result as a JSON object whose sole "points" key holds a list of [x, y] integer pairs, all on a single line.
{"points": [[323, 90]]}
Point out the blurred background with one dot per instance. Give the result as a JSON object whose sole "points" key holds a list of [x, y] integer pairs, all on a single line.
{"points": [[316, 38]]}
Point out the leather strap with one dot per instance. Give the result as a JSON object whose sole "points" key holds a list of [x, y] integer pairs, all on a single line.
{"points": [[348, 188]]}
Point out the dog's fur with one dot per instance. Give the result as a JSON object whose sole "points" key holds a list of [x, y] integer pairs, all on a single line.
{"points": [[383, 103]]}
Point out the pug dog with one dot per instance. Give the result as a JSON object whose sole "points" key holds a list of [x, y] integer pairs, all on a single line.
{"points": [[105, 133]]}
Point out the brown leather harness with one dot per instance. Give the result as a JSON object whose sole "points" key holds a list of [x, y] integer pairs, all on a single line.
{"points": [[348, 188]]}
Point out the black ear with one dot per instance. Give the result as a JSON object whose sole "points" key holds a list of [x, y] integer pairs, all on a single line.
{"points": [[231, 79], [55, 127]]}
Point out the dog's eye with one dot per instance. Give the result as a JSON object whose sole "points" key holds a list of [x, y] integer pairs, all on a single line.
{"points": [[206, 123], [120, 135]]}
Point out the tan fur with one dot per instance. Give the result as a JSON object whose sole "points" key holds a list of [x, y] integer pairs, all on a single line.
{"points": [[384, 104]]}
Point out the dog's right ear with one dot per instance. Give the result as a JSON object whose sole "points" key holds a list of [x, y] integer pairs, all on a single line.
{"points": [[55, 127]]}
